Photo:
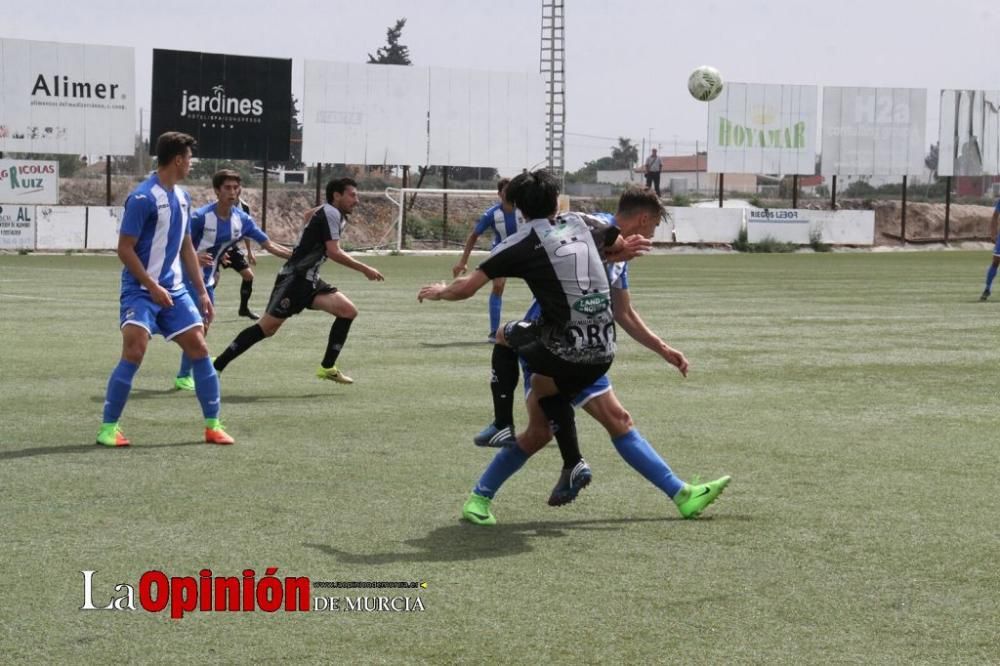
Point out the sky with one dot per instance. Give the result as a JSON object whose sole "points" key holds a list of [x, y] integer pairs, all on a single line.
{"points": [[627, 61]]}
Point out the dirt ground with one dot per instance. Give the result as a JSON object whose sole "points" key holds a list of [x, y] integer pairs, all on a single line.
{"points": [[372, 223]]}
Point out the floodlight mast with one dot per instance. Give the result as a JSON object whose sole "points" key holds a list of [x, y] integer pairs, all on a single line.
{"points": [[553, 68]]}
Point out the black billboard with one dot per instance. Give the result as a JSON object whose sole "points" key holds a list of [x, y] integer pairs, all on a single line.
{"points": [[237, 107]]}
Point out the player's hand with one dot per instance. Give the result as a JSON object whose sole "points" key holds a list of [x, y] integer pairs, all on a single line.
{"points": [[225, 260], [458, 269], [373, 274], [630, 248], [207, 310], [252, 258], [161, 296], [676, 358], [431, 292], [205, 259]]}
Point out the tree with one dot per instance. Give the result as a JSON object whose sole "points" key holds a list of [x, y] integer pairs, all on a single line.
{"points": [[393, 53], [625, 154]]}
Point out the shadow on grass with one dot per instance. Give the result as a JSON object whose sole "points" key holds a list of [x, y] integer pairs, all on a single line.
{"points": [[463, 541], [456, 343], [87, 448], [227, 398]]}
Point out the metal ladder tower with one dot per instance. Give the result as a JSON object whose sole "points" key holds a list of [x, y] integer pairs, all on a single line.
{"points": [[553, 68]]}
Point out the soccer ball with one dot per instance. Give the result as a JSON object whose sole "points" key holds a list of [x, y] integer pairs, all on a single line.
{"points": [[705, 83]]}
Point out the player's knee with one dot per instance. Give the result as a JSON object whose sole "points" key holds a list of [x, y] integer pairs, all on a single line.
{"points": [[348, 312], [133, 351]]}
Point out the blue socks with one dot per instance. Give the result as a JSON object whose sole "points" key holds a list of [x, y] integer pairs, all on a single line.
{"points": [[506, 462], [495, 303], [206, 387], [185, 370], [990, 274], [638, 453], [119, 386]]}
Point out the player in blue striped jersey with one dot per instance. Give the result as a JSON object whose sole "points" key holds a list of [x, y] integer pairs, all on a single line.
{"points": [[154, 240], [502, 219], [216, 229]]}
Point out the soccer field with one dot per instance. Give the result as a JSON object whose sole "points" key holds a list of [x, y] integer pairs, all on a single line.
{"points": [[853, 397]]}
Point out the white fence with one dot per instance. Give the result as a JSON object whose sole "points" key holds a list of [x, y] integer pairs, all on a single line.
{"points": [[59, 227], [723, 225], [96, 227]]}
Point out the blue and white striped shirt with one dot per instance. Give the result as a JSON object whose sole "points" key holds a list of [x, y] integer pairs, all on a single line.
{"points": [[159, 218]]}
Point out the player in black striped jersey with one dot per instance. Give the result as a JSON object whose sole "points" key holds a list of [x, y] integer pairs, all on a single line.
{"points": [[298, 285], [573, 342]]}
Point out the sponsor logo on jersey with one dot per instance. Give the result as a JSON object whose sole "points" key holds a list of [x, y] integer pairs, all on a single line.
{"points": [[592, 304]]}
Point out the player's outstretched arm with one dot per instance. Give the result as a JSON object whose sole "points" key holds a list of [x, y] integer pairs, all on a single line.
{"points": [[459, 290], [335, 253], [628, 318], [462, 265], [626, 249], [276, 249]]}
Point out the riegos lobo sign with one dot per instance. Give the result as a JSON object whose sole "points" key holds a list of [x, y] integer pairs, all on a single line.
{"points": [[66, 98], [237, 107]]}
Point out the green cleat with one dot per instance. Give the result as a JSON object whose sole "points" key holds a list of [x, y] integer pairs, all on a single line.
{"points": [[476, 510], [184, 383], [692, 500], [333, 375], [111, 435]]}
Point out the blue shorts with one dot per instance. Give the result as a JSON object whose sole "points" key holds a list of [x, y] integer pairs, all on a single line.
{"points": [[138, 309], [600, 386]]}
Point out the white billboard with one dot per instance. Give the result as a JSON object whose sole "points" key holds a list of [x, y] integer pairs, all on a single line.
{"points": [[969, 134], [394, 114], [17, 227], [763, 129], [66, 98], [487, 119], [364, 114], [873, 131], [29, 181]]}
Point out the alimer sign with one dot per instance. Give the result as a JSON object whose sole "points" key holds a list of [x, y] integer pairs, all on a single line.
{"points": [[66, 98]]}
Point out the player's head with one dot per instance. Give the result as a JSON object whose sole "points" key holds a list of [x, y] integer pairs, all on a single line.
{"points": [[173, 153], [639, 211], [342, 193], [501, 186], [535, 193], [228, 185]]}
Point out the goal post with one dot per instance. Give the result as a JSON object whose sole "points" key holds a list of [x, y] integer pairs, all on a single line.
{"points": [[399, 195]]}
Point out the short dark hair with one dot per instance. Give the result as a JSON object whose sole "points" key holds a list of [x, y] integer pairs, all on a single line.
{"points": [[338, 185], [640, 199], [171, 145], [536, 194], [502, 183], [222, 175]]}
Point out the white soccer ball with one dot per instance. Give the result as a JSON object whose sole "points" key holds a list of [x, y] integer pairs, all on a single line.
{"points": [[705, 83]]}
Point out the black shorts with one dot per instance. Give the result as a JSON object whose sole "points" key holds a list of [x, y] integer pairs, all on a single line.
{"points": [[237, 260], [570, 378], [292, 294]]}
